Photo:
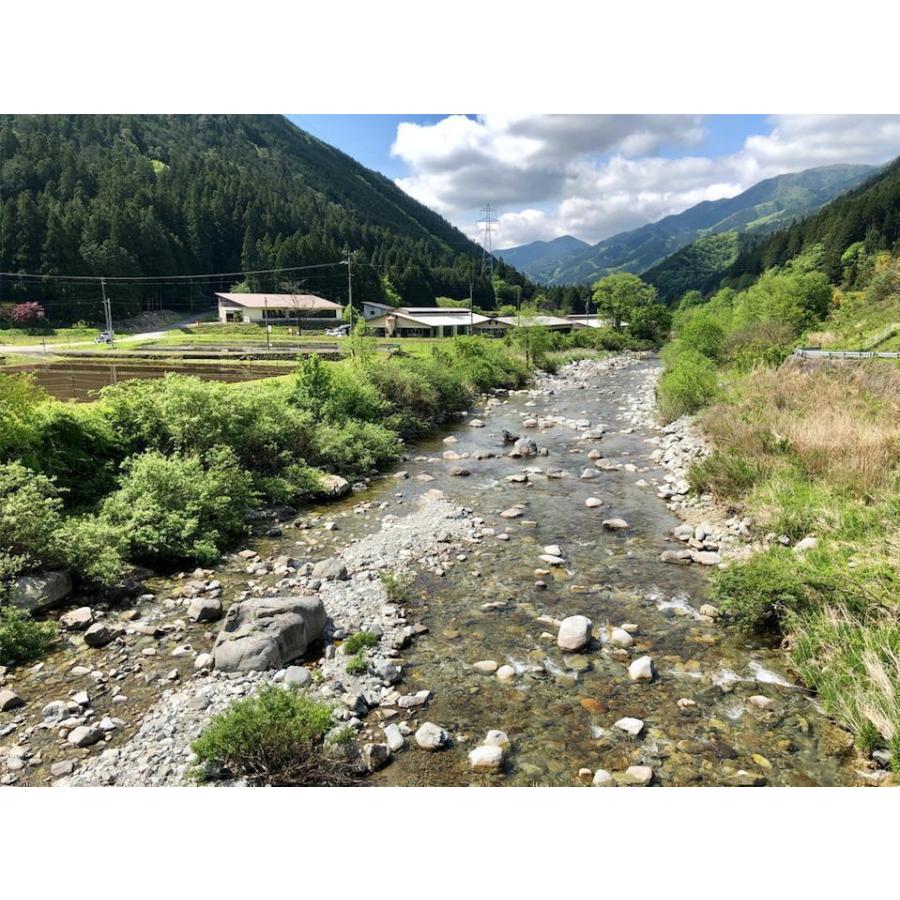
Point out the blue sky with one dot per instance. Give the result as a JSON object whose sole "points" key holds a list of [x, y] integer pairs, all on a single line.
{"points": [[592, 175]]}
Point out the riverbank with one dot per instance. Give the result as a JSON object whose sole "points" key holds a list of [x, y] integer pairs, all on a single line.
{"points": [[524, 538]]}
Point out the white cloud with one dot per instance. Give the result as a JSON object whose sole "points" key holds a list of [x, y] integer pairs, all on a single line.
{"points": [[596, 175]]}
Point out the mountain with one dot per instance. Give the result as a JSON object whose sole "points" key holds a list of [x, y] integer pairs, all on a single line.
{"points": [[762, 208], [538, 255], [157, 195], [698, 266], [867, 216]]}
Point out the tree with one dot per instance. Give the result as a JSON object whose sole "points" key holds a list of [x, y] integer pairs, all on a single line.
{"points": [[650, 323], [27, 313], [617, 296]]}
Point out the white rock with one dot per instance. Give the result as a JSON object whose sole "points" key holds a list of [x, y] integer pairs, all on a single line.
{"points": [[630, 725], [619, 637], [431, 737], [486, 758], [574, 633], [506, 673], [593, 503], [394, 737], [485, 666], [602, 778], [641, 669], [640, 776], [497, 738]]}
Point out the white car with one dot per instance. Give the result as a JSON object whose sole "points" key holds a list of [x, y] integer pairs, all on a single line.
{"points": [[340, 331], [105, 337]]}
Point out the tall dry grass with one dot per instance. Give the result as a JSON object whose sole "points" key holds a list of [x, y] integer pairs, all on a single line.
{"points": [[837, 423]]}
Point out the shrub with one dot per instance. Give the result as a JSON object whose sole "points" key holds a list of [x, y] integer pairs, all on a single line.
{"points": [[360, 641], [29, 518], [397, 587], [21, 638], [19, 395], [688, 386], [763, 344], [176, 508], [702, 332], [93, 548], [353, 449], [357, 664], [274, 738], [296, 482]]}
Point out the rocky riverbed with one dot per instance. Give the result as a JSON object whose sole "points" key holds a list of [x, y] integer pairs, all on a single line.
{"points": [[546, 636]]}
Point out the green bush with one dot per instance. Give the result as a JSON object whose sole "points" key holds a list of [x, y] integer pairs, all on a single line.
{"points": [[30, 514], [689, 385], [702, 332], [360, 641], [21, 638], [19, 396], [92, 548], [274, 738], [174, 508], [353, 449]]}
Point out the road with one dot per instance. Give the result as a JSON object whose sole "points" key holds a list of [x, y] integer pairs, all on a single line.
{"points": [[128, 339], [803, 353]]}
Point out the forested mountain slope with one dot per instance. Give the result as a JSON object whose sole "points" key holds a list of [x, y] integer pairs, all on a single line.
{"points": [[762, 208], [539, 255], [159, 195]]}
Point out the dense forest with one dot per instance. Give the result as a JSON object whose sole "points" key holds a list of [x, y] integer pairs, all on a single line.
{"points": [[151, 196], [866, 218]]}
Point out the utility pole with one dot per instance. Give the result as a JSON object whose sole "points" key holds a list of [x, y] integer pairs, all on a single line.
{"points": [[107, 309], [471, 317], [348, 262], [519, 305], [266, 321]]}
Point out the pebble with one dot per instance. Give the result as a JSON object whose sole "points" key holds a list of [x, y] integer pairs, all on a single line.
{"points": [[614, 524], [431, 737], [574, 633], [602, 778], [486, 758], [593, 503], [486, 666], [641, 669], [639, 776], [630, 725], [506, 673]]}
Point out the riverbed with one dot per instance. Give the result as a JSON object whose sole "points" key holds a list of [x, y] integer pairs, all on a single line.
{"points": [[485, 595]]}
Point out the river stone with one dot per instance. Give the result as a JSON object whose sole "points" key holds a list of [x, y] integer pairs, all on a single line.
{"points": [[84, 736], [553, 550], [513, 512], [552, 560], [760, 701], [205, 609], [431, 737], [203, 661], [10, 700], [376, 756], [808, 543], [707, 609], [38, 592], [524, 447], [676, 557], [98, 635], [705, 557], [267, 632], [593, 503], [485, 666], [588, 474], [394, 737], [62, 767], [614, 524], [77, 619], [619, 637], [630, 725], [574, 633], [639, 776], [55, 711], [486, 758], [602, 778], [297, 676], [331, 569], [497, 738], [333, 485], [506, 673], [459, 472], [641, 669]]}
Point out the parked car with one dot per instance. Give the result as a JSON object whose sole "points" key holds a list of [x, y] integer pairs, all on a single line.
{"points": [[340, 331], [105, 337]]}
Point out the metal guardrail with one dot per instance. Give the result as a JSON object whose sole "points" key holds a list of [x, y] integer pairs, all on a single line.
{"points": [[811, 353]]}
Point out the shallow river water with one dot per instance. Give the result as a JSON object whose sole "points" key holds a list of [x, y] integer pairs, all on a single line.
{"points": [[560, 709]]}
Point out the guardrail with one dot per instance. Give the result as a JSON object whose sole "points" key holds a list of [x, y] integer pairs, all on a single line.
{"points": [[810, 353]]}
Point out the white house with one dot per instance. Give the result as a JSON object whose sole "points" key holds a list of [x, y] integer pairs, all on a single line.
{"points": [[306, 310], [424, 322]]}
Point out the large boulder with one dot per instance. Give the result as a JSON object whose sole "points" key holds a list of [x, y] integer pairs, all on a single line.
{"points": [[267, 632], [334, 486], [39, 592]]}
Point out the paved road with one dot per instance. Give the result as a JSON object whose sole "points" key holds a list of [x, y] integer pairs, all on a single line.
{"points": [[128, 339]]}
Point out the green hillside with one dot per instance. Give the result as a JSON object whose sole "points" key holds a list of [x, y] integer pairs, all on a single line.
{"points": [[762, 208], [539, 255], [163, 195], [699, 266]]}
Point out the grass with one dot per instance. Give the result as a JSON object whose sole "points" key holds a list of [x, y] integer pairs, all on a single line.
{"points": [[357, 664], [816, 451], [360, 641], [54, 335], [275, 738], [399, 588]]}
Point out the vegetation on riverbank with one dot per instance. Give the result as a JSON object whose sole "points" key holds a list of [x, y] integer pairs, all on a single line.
{"points": [[165, 471], [275, 738], [811, 451]]}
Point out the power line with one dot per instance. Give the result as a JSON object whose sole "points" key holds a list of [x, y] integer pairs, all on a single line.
{"points": [[487, 255]]}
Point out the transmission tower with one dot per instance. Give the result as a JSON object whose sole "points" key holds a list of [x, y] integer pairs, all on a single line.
{"points": [[487, 221]]}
